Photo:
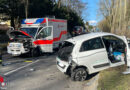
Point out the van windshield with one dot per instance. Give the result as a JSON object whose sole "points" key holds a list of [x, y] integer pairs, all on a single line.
{"points": [[30, 31], [65, 50]]}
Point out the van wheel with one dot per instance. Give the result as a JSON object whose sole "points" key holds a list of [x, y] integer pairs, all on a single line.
{"points": [[79, 74], [35, 52]]}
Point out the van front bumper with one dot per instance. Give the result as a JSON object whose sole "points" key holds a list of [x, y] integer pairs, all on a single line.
{"points": [[62, 65], [15, 50]]}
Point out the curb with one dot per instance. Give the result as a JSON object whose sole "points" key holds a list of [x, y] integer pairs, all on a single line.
{"points": [[92, 84]]}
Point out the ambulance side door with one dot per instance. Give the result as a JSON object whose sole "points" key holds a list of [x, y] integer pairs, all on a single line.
{"points": [[44, 39]]}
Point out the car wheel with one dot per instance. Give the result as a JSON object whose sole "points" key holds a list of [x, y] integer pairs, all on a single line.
{"points": [[79, 74]]}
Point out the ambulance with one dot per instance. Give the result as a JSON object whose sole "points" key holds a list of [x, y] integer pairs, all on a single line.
{"points": [[37, 35]]}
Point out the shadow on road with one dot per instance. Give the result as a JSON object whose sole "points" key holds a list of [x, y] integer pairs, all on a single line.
{"points": [[9, 60]]}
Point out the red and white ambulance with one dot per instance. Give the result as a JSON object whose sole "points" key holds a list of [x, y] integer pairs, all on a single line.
{"points": [[37, 35]]}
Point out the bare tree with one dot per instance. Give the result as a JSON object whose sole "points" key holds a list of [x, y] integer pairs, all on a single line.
{"points": [[116, 15], [76, 5], [26, 9], [59, 3]]}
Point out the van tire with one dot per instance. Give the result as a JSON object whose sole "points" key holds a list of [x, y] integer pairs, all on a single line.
{"points": [[79, 74], [35, 52]]}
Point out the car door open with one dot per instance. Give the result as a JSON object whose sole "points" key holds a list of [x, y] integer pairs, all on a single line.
{"points": [[115, 48]]}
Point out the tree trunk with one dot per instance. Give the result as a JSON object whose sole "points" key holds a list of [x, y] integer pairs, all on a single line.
{"points": [[26, 8], [59, 3], [12, 21]]}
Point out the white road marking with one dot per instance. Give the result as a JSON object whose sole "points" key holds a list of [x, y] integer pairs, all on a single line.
{"points": [[15, 70]]}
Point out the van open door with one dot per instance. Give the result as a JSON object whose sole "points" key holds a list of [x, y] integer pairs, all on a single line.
{"points": [[44, 39]]}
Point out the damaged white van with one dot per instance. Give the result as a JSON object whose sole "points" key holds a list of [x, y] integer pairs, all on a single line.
{"points": [[91, 53]]}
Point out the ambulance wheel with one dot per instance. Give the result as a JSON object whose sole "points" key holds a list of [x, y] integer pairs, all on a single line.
{"points": [[79, 74], [35, 52]]}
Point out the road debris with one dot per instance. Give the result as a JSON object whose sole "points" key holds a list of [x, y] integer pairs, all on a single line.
{"points": [[28, 61], [32, 69]]}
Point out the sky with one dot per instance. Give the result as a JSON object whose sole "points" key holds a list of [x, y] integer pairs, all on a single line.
{"points": [[90, 14]]}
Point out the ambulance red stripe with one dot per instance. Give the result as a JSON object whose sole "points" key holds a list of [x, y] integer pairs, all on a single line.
{"points": [[54, 20], [29, 23], [44, 21], [58, 38], [39, 42]]}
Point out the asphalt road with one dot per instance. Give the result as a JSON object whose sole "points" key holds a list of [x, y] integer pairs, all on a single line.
{"points": [[40, 73]]}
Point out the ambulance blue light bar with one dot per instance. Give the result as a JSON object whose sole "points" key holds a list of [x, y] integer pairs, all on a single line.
{"points": [[34, 21]]}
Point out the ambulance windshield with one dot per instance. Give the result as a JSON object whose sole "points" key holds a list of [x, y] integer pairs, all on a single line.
{"points": [[30, 31]]}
